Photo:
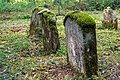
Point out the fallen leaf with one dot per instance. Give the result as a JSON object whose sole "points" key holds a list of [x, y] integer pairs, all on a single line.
{"points": [[42, 68], [2, 42]]}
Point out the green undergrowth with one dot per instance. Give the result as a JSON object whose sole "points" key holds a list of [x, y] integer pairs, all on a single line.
{"points": [[21, 60], [15, 15], [16, 7]]}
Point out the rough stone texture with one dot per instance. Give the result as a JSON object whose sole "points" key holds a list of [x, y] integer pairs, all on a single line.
{"points": [[81, 45], [43, 29], [36, 30], [51, 40], [35, 23], [110, 21]]}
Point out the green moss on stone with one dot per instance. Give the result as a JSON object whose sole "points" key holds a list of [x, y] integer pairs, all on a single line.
{"points": [[40, 8], [51, 21], [82, 19], [54, 28], [49, 16]]}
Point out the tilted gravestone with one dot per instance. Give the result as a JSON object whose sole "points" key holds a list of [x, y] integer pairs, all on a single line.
{"points": [[44, 30], [81, 43], [109, 19]]}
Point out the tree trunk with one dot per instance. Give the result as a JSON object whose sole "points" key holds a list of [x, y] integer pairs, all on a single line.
{"points": [[43, 28], [81, 43]]}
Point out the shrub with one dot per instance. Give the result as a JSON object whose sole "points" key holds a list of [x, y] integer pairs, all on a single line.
{"points": [[17, 7]]}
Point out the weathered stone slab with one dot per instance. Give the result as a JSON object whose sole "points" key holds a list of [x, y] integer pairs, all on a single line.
{"points": [[110, 20], [81, 43], [43, 28]]}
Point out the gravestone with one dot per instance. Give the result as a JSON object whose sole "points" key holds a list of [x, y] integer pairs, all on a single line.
{"points": [[44, 30], [81, 43], [109, 19]]}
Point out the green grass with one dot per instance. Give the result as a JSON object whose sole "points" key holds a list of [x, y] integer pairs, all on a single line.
{"points": [[20, 60]]}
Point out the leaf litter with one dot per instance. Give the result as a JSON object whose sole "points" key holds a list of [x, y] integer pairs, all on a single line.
{"points": [[21, 60]]}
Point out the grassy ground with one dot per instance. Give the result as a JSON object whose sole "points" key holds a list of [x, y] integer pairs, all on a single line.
{"points": [[20, 60]]}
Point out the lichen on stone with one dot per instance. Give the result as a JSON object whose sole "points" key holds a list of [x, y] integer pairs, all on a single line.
{"points": [[82, 19], [46, 14]]}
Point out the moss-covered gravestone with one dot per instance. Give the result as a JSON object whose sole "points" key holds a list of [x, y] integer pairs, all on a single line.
{"points": [[109, 19], [43, 29], [81, 43]]}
